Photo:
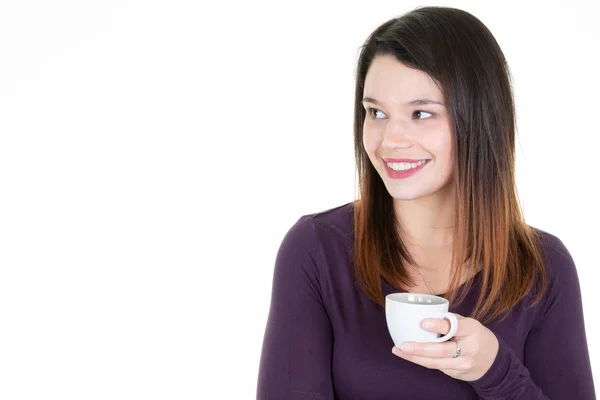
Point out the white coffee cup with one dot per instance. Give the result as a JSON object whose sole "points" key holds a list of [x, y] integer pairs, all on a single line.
{"points": [[404, 313]]}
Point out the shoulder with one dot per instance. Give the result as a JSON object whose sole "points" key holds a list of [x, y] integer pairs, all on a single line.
{"points": [[560, 270], [553, 246], [559, 262], [310, 229], [337, 221], [303, 248]]}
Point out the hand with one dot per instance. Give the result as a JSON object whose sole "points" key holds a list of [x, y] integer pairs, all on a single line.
{"points": [[479, 347]]}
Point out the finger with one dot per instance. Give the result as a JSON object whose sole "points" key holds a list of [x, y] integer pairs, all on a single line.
{"points": [[436, 325], [432, 350], [467, 327], [442, 326]]}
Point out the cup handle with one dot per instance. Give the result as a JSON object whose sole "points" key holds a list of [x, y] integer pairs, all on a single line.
{"points": [[453, 327]]}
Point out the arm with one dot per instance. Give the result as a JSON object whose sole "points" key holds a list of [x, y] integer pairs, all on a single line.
{"points": [[556, 364], [297, 347]]}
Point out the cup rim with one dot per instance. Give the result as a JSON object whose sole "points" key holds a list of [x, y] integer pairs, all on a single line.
{"points": [[398, 298]]}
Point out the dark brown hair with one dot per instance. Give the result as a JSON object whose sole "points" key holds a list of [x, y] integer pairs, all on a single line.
{"points": [[458, 51]]}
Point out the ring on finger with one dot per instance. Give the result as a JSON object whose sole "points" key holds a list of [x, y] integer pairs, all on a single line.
{"points": [[458, 350]]}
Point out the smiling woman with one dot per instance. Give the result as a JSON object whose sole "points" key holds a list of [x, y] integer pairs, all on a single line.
{"points": [[434, 141]]}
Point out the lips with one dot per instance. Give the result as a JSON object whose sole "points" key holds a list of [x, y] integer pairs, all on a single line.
{"points": [[408, 167]]}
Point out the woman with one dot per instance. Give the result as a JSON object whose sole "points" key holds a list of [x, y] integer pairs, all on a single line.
{"points": [[438, 213]]}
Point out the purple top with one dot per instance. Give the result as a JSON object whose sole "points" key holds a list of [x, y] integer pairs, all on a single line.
{"points": [[326, 340]]}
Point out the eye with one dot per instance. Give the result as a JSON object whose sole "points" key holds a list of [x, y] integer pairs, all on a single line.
{"points": [[373, 111], [419, 114]]}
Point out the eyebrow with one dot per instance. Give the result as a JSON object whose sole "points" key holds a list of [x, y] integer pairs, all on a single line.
{"points": [[418, 102]]}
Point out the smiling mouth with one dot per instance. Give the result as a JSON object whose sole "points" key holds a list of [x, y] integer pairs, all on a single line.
{"points": [[404, 166]]}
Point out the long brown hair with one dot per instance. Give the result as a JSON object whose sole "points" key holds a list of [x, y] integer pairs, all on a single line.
{"points": [[457, 50]]}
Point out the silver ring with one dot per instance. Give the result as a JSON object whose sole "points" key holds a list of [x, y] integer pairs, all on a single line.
{"points": [[458, 350]]}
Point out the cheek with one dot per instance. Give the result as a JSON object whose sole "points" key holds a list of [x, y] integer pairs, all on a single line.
{"points": [[441, 144], [445, 152], [366, 144], [371, 142]]}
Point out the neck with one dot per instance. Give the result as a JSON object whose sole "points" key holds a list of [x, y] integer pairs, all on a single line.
{"points": [[426, 228]]}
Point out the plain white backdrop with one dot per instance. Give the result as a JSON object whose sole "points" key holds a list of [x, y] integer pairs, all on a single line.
{"points": [[153, 154]]}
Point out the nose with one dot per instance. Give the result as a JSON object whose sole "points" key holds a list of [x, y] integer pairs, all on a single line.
{"points": [[397, 135]]}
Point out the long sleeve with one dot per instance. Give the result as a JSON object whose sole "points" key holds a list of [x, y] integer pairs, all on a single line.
{"points": [[556, 361], [297, 347]]}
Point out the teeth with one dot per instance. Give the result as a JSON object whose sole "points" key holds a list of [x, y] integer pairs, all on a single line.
{"points": [[405, 166]]}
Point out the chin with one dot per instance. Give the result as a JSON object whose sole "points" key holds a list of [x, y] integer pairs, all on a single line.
{"points": [[414, 192], [406, 194]]}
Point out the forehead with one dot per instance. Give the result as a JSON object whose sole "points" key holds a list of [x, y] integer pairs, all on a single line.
{"points": [[391, 81]]}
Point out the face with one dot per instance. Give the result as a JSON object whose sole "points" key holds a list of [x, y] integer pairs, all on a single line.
{"points": [[407, 132]]}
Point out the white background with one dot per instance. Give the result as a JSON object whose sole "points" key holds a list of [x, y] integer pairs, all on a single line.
{"points": [[154, 153]]}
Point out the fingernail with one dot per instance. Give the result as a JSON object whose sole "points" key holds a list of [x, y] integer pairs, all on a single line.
{"points": [[427, 324], [407, 348], [396, 351]]}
